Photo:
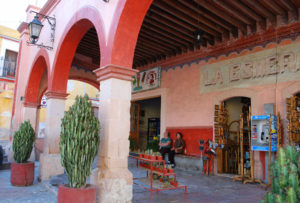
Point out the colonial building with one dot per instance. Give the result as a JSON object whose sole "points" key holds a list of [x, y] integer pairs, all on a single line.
{"points": [[9, 48], [204, 66]]}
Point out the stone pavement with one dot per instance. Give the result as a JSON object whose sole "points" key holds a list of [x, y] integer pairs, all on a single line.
{"points": [[200, 189]]}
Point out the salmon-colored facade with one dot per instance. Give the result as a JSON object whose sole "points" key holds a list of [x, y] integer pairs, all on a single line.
{"points": [[192, 83]]}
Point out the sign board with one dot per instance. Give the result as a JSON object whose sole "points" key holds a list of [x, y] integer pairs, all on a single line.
{"points": [[260, 133], [269, 66], [146, 80]]}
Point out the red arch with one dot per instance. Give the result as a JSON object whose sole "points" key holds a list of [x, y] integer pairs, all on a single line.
{"points": [[90, 82], [40, 64], [80, 23], [124, 32]]}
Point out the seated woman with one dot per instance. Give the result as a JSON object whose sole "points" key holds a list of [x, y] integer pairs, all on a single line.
{"points": [[165, 145], [177, 149]]}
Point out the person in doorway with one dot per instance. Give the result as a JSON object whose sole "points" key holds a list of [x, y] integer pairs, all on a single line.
{"points": [[177, 149], [165, 145]]}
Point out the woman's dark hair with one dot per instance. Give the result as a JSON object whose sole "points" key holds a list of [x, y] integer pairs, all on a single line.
{"points": [[179, 133]]}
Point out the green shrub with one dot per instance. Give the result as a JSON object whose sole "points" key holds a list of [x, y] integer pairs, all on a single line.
{"points": [[285, 171], [154, 144], [79, 141], [23, 142]]}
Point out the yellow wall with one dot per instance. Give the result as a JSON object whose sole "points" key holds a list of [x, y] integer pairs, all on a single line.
{"points": [[74, 88], [79, 88], [6, 102], [9, 32]]}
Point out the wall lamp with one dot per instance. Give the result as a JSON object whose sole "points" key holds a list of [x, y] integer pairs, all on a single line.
{"points": [[35, 27]]}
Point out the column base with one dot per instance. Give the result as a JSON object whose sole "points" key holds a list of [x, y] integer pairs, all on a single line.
{"points": [[50, 165], [112, 185]]}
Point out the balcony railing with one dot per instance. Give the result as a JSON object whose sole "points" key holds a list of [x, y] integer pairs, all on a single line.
{"points": [[7, 68]]}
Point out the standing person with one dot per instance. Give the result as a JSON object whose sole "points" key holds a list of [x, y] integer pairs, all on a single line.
{"points": [[177, 149], [165, 145]]}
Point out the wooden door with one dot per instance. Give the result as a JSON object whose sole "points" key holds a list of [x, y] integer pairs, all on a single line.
{"points": [[135, 123], [293, 116]]}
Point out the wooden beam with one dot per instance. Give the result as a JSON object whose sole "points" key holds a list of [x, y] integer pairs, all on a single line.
{"points": [[162, 14], [261, 10], [165, 22], [170, 30], [237, 4], [159, 42], [272, 5], [213, 18], [287, 5], [153, 46], [166, 34], [187, 19], [183, 9], [296, 2], [208, 6], [161, 38], [233, 12]]}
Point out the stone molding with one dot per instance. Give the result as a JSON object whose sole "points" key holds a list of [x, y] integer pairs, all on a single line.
{"points": [[30, 104], [114, 71], [56, 95]]}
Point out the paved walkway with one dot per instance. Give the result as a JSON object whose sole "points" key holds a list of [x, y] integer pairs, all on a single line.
{"points": [[200, 189]]}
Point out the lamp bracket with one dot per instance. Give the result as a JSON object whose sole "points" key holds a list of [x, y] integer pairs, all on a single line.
{"points": [[52, 23]]}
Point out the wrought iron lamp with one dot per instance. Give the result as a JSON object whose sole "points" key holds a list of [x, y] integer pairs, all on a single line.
{"points": [[35, 27]]}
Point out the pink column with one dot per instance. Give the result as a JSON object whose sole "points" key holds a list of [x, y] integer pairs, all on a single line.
{"points": [[50, 163], [113, 179], [30, 111]]}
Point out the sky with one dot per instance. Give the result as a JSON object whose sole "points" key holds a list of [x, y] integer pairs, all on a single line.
{"points": [[12, 12]]}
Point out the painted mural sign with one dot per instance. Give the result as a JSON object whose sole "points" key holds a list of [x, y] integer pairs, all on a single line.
{"points": [[264, 67], [146, 80]]}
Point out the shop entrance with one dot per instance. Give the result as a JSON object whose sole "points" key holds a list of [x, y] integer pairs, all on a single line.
{"points": [[228, 128], [144, 123], [293, 116]]}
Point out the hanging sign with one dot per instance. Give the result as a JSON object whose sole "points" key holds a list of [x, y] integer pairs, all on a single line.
{"points": [[146, 80]]}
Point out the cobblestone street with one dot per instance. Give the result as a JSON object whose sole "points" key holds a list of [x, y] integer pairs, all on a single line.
{"points": [[200, 189]]}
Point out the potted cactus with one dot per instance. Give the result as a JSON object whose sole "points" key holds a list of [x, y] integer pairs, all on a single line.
{"points": [[285, 172], [22, 172], [79, 143]]}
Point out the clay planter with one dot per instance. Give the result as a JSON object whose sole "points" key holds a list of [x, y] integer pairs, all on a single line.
{"points": [[22, 174], [76, 195], [159, 158], [170, 170], [153, 157]]}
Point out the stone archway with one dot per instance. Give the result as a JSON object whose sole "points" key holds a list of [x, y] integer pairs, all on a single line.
{"points": [[40, 70], [124, 32], [83, 20], [80, 23]]}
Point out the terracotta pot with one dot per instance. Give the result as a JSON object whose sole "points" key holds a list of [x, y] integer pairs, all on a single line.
{"points": [[78, 195], [159, 158], [22, 174]]}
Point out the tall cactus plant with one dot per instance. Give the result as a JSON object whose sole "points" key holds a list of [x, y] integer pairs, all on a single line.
{"points": [[23, 142], [285, 172], [79, 141]]}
